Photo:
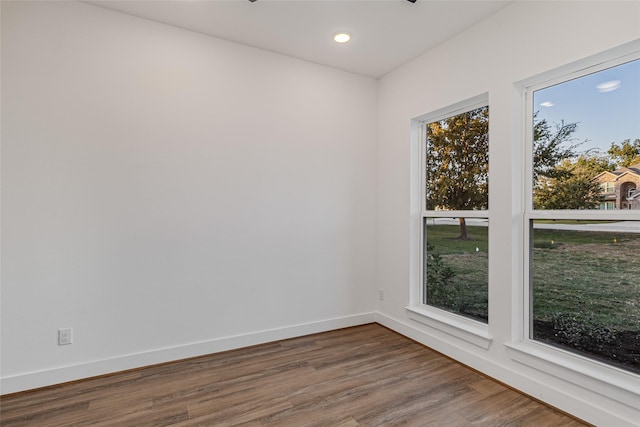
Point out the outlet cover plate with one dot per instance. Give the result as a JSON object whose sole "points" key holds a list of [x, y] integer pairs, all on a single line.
{"points": [[65, 336]]}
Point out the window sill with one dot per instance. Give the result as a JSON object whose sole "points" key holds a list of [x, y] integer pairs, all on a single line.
{"points": [[467, 330], [608, 381]]}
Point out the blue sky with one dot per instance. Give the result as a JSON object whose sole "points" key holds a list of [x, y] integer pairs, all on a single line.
{"points": [[606, 105]]}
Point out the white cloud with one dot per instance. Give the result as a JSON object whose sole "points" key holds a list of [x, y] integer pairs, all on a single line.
{"points": [[609, 86]]}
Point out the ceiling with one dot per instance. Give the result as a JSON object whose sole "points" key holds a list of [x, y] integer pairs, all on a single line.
{"points": [[386, 33]]}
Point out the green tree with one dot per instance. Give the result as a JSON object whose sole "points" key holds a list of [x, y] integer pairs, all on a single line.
{"points": [[593, 164], [458, 163], [562, 178], [627, 153], [551, 146], [574, 187]]}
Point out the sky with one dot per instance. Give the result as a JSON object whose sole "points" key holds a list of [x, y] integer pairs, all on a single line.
{"points": [[606, 106]]}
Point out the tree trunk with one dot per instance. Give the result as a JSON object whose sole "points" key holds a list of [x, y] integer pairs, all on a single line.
{"points": [[463, 230]]}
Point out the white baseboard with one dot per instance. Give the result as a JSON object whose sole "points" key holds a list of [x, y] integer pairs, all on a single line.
{"points": [[508, 375], [33, 380], [590, 411]]}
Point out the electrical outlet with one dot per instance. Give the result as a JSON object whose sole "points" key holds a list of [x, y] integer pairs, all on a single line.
{"points": [[380, 294], [65, 336]]}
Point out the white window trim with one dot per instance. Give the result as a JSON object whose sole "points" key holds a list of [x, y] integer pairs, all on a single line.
{"points": [[468, 330], [460, 327], [588, 373]]}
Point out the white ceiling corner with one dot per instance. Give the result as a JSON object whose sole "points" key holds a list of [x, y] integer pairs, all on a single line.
{"points": [[386, 33]]}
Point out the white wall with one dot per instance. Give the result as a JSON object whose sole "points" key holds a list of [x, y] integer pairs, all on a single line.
{"points": [[521, 41], [168, 194]]}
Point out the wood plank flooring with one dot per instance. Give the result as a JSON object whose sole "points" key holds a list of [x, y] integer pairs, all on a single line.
{"points": [[361, 376]]}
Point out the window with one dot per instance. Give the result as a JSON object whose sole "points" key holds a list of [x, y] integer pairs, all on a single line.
{"points": [[607, 187], [454, 274], [582, 231]]}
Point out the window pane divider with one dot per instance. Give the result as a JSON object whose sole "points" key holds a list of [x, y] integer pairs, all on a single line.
{"points": [[456, 214], [592, 214]]}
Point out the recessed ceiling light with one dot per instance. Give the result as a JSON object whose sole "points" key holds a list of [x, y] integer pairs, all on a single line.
{"points": [[546, 104], [342, 37]]}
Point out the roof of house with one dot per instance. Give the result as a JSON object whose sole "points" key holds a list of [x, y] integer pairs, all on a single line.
{"points": [[633, 169]]}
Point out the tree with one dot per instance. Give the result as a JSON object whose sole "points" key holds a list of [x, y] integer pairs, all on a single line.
{"points": [[559, 181], [627, 153], [593, 163], [573, 189], [458, 163], [551, 147]]}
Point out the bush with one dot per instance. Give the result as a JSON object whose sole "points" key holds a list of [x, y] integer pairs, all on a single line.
{"points": [[440, 289], [582, 331]]}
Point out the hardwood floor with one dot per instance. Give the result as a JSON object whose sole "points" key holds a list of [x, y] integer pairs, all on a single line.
{"points": [[361, 376]]}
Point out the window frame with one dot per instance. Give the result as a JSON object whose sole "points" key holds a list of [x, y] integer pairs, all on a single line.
{"points": [[580, 370], [461, 327]]}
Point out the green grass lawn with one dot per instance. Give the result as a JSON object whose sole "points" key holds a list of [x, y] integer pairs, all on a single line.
{"points": [[443, 237], [573, 221], [595, 272], [466, 292], [562, 237]]}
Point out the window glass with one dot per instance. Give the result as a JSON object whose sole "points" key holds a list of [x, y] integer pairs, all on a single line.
{"points": [[586, 288], [607, 187], [586, 140], [456, 271], [584, 278], [457, 163], [456, 168]]}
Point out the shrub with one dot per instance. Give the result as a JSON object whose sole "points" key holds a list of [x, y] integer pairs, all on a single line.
{"points": [[440, 289], [582, 331]]}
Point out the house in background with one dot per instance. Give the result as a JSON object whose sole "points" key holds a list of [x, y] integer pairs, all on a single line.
{"points": [[620, 188]]}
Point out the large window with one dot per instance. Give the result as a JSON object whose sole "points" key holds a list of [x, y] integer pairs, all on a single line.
{"points": [[583, 228], [455, 211]]}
